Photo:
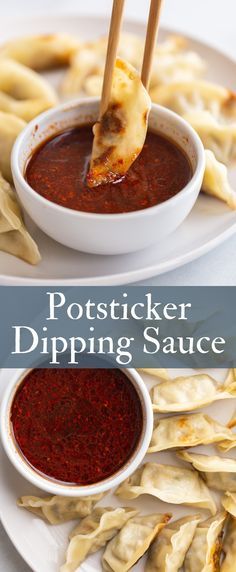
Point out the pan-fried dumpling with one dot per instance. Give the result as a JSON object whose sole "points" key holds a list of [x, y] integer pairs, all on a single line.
{"points": [[120, 134], [230, 441], [55, 509], [14, 238], [228, 444], [10, 127], [232, 422], [186, 431], [168, 551], [211, 110], [93, 85], [23, 92], [87, 65], [185, 97], [171, 45], [189, 392], [229, 503], [215, 181], [156, 372], [205, 551], [219, 137], [219, 473], [183, 66], [93, 532], [168, 483], [229, 547], [41, 52], [87, 62], [134, 539]]}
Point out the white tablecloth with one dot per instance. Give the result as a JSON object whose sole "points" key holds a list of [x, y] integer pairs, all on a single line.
{"points": [[209, 20]]}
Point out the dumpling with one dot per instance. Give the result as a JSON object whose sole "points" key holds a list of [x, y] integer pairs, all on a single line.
{"points": [[185, 97], [120, 134], [134, 539], [229, 547], [171, 45], [232, 422], [183, 66], [93, 532], [215, 181], [41, 52], [55, 509], [229, 503], [10, 127], [168, 483], [88, 63], [186, 431], [14, 238], [167, 67], [229, 442], [231, 375], [168, 551], [23, 92], [219, 473], [156, 372], [189, 392], [209, 108], [93, 85], [217, 136], [205, 551]]}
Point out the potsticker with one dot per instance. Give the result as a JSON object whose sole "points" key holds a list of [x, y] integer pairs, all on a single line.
{"points": [[41, 52], [120, 134]]}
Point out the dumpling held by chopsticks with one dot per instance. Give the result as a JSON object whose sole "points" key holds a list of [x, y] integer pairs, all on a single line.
{"points": [[120, 134]]}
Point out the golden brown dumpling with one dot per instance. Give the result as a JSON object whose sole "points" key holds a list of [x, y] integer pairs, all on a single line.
{"points": [[120, 134], [57, 509], [134, 539], [41, 52], [93, 532], [14, 238], [10, 127], [215, 181], [23, 92]]}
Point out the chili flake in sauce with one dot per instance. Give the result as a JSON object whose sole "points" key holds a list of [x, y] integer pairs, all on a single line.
{"points": [[58, 168], [77, 426]]}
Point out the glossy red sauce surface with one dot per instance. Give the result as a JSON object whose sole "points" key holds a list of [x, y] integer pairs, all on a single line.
{"points": [[58, 170], [77, 426]]}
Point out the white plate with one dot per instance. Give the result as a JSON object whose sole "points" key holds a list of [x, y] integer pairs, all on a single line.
{"points": [[209, 224], [43, 546]]}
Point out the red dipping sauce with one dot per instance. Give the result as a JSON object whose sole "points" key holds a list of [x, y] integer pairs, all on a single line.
{"points": [[77, 426], [58, 168]]}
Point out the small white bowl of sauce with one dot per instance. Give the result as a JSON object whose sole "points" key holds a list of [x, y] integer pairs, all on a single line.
{"points": [[50, 160], [76, 432]]}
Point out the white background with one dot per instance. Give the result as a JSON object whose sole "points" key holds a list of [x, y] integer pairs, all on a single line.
{"points": [[209, 20]]}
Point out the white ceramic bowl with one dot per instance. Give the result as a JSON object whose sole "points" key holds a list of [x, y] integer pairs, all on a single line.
{"points": [[106, 233], [55, 487]]}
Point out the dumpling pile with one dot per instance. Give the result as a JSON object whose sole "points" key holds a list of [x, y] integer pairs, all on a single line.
{"points": [[23, 95], [14, 238], [177, 82], [172, 62], [193, 543], [211, 110]]}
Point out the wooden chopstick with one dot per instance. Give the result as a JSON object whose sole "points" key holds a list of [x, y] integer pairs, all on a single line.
{"points": [[113, 43], [151, 39]]}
